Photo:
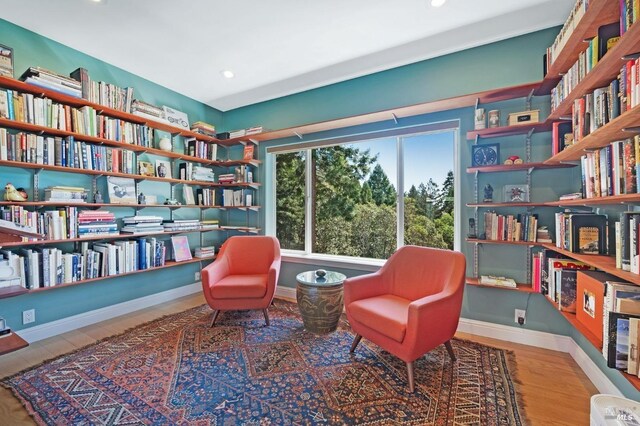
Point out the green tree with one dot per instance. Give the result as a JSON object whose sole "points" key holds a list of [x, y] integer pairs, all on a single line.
{"points": [[366, 196], [373, 231], [413, 193], [419, 230], [290, 177], [444, 225], [382, 190], [445, 196]]}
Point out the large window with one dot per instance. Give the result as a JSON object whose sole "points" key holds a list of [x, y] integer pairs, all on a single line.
{"points": [[366, 198]]}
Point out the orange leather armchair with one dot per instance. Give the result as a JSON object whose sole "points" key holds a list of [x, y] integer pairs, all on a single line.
{"points": [[411, 305], [244, 275]]}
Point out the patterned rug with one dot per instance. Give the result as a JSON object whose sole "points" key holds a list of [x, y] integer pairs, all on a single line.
{"points": [[177, 370]]}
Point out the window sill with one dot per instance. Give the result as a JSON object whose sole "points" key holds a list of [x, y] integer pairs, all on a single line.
{"points": [[357, 263]]}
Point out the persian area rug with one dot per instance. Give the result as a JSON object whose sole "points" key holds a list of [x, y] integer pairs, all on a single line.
{"points": [[177, 371]]}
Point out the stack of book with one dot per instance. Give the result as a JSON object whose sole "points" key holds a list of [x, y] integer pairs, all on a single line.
{"points": [[253, 130], [52, 81], [200, 149], [206, 197], [522, 227], [209, 251], [226, 178], [103, 93], [497, 281], [572, 21], [142, 224], [209, 224], [70, 194], [237, 133], [96, 223], [181, 225], [543, 235], [146, 110], [203, 174], [204, 128]]}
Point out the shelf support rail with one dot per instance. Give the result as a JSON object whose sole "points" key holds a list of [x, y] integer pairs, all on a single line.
{"points": [[36, 184], [475, 260], [528, 100]]}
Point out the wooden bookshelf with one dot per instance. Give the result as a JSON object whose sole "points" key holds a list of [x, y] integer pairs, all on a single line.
{"points": [[511, 167], [600, 12], [602, 262], [610, 200], [33, 128], [594, 340], [21, 164], [501, 242], [20, 86], [11, 342], [525, 288], [612, 131], [45, 204], [168, 264], [604, 71], [508, 205], [520, 129], [14, 290]]}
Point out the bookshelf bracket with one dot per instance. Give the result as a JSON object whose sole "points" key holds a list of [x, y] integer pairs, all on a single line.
{"points": [[298, 135], [395, 117], [635, 129], [477, 102], [528, 100], [475, 260], [527, 144], [631, 56]]}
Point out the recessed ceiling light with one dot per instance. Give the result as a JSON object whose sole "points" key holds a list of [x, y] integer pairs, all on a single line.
{"points": [[96, 1], [227, 74], [437, 3]]}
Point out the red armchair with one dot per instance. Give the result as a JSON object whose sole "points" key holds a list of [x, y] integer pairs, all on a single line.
{"points": [[244, 275], [411, 305]]}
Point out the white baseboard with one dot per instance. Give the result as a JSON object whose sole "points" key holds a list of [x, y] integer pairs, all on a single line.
{"points": [[53, 328], [543, 340]]}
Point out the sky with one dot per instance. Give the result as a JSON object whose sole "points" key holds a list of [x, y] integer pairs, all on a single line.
{"points": [[426, 156]]}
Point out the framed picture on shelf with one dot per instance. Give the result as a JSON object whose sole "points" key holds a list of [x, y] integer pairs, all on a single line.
{"points": [[163, 169], [516, 193], [181, 250], [187, 194], [121, 190], [146, 168]]}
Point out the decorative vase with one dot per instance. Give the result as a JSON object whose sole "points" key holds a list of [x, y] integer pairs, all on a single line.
{"points": [[165, 144]]}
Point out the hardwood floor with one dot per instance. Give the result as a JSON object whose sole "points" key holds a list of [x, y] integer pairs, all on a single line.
{"points": [[554, 389]]}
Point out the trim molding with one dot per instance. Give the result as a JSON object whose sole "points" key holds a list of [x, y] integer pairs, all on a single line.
{"points": [[53, 328], [286, 293], [543, 340]]}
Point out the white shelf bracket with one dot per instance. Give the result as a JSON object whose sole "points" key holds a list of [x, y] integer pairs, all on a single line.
{"points": [[395, 118], [528, 101], [298, 135]]}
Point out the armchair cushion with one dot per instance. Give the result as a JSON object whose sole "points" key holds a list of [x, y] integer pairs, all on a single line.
{"points": [[387, 314], [240, 287]]}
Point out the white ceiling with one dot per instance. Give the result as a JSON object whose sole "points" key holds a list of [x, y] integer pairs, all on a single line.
{"points": [[274, 47]]}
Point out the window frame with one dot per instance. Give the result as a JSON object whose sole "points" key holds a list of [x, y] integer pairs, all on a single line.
{"points": [[307, 256]]}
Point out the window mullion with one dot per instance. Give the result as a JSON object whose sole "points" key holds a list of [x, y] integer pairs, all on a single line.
{"points": [[400, 193], [308, 213]]}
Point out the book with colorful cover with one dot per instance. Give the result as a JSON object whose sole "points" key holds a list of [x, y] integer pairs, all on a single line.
{"points": [[181, 250]]}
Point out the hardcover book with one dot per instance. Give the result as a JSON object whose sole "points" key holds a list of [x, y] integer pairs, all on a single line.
{"points": [[618, 348], [590, 300], [589, 233]]}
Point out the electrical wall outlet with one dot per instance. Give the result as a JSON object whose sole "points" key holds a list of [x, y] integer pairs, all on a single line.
{"points": [[197, 276], [520, 316], [28, 316]]}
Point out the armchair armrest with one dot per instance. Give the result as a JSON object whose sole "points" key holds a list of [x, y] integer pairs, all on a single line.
{"points": [[439, 313], [363, 287], [215, 271], [274, 271]]}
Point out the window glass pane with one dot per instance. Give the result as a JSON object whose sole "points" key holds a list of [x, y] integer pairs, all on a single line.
{"points": [[354, 193], [428, 185], [290, 184]]}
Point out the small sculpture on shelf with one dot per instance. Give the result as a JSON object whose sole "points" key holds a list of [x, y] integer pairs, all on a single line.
{"points": [[142, 199], [97, 197], [13, 194], [514, 159], [472, 228], [165, 144], [488, 193], [172, 202]]}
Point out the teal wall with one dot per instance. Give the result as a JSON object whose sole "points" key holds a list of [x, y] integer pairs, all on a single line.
{"points": [[500, 64]]}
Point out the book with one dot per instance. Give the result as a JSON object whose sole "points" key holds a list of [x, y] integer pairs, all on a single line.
{"points": [[590, 296], [248, 152], [497, 281], [618, 340], [634, 346], [181, 251]]}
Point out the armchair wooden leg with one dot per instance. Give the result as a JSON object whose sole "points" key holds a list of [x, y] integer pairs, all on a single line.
{"points": [[356, 340], [266, 316], [410, 376], [215, 317], [447, 345]]}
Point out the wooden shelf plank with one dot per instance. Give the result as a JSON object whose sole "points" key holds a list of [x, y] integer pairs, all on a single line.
{"points": [[45, 204], [515, 243], [525, 288], [604, 263], [600, 12], [14, 290], [614, 199], [520, 129], [508, 205], [511, 167], [604, 71], [21, 164], [20, 86], [11, 342], [601, 137], [168, 264]]}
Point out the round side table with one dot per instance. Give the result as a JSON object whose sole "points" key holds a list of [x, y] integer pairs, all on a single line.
{"points": [[320, 300]]}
